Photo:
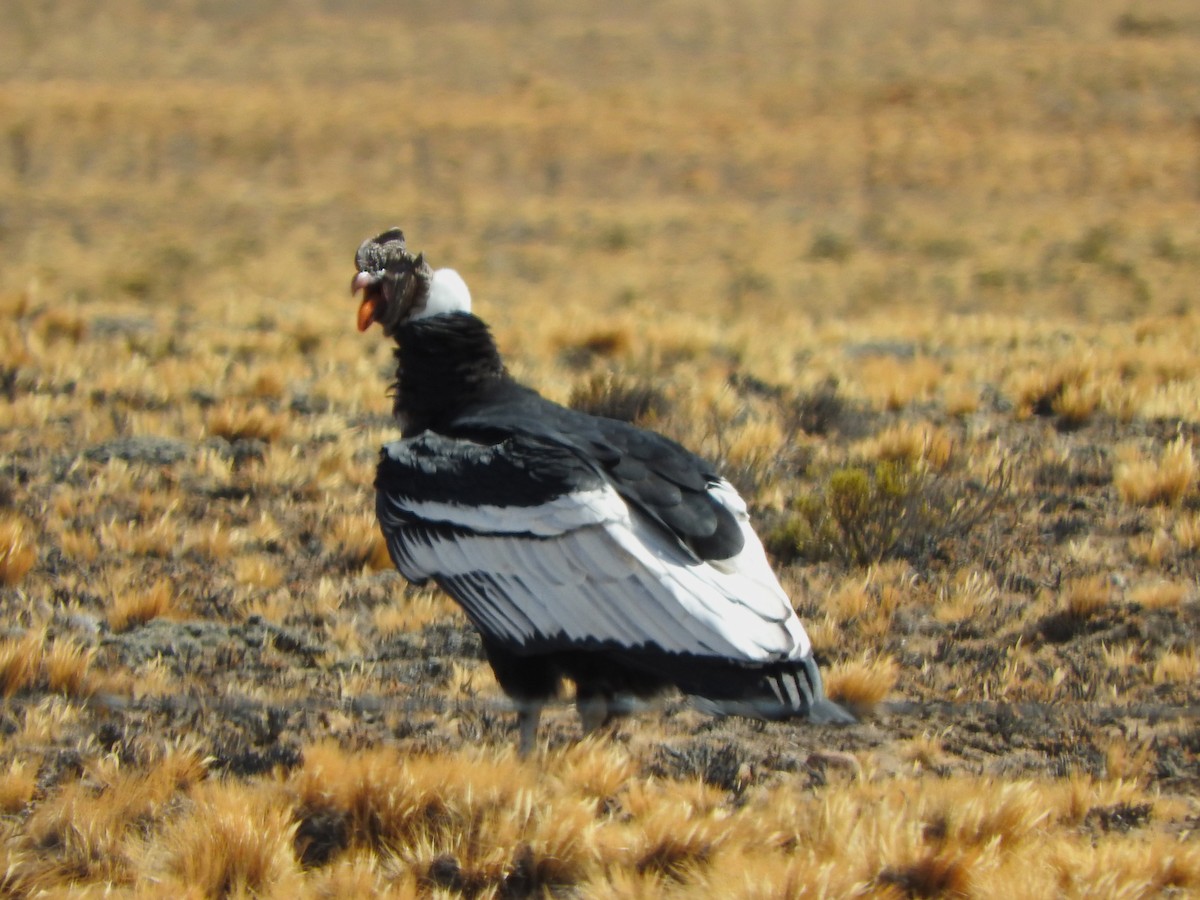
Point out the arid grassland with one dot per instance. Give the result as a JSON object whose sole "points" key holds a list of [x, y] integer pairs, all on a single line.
{"points": [[923, 276]]}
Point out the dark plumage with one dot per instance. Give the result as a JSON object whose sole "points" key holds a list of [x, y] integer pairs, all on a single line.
{"points": [[579, 546]]}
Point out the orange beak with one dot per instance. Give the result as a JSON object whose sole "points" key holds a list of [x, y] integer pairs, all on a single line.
{"points": [[366, 310], [366, 313]]}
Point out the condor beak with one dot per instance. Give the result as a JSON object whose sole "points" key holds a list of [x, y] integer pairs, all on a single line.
{"points": [[363, 281]]}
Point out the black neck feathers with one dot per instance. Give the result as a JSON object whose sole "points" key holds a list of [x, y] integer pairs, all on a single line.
{"points": [[443, 364]]}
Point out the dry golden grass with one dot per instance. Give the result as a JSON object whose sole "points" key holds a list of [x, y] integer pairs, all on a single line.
{"points": [[862, 684], [130, 607], [1086, 597], [17, 554], [31, 661], [231, 841], [17, 786], [1165, 481], [800, 238]]}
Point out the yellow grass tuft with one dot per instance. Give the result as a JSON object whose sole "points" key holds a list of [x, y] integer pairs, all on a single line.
{"points": [[258, 571], [1083, 598], [605, 342], [234, 422], [1128, 759], [1076, 404], [235, 840], [862, 684], [60, 665], [913, 444], [20, 661], [851, 601], [1187, 533], [1160, 594], [213, 541], [893, 384], [1162, 482], [67, 667], [95, 826], [361, 873], [130, 607], [412, 610], [358, 542], [961, 400], [1009, 814], [971, 594], [1176, 667], [925, 751], [62, 324], [755, 445], [1121, 657], [596, 769], [1152, 549], [675, 840], [17, 785], [1066, 389], [80, 545], [159, 537], [17, 553], [267, 385]]}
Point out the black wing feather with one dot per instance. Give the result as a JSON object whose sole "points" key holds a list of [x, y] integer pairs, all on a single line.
{"points": [[660, 477]]}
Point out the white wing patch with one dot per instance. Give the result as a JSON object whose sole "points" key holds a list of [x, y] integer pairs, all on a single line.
{"points": [[584, 568], [563, 513]]}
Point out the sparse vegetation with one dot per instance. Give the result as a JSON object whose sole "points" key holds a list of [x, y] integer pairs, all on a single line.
{"points": [[948, 353], [895, 508]]}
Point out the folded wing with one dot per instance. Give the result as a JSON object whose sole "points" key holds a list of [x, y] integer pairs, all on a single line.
{"points": [[545, 554]]}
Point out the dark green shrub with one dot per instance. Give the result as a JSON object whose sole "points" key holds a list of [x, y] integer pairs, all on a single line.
{"points": [[893, 509]]}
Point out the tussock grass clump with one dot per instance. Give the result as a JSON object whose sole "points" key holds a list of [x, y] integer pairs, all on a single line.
{"points": [[862, 684], [20, 662], [1162, 482], [130, 607], [468, 823], [1176, 667], [236, 422], [604, 343], [932, 874], [17, 551], [233, 840], [30, 661], [1068, 392], [66, 667], [971, 595], [912, 445], [159, 537], [17, 786], [1187, 533], [895, 382], [412, 611], [1160, 594], [382, 798], [357, 542], [1084, 598], [258, 571], [97, 827], [620, 397]]}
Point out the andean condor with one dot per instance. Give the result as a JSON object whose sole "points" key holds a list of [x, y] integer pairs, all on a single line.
{"points": [[579, 546]]}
